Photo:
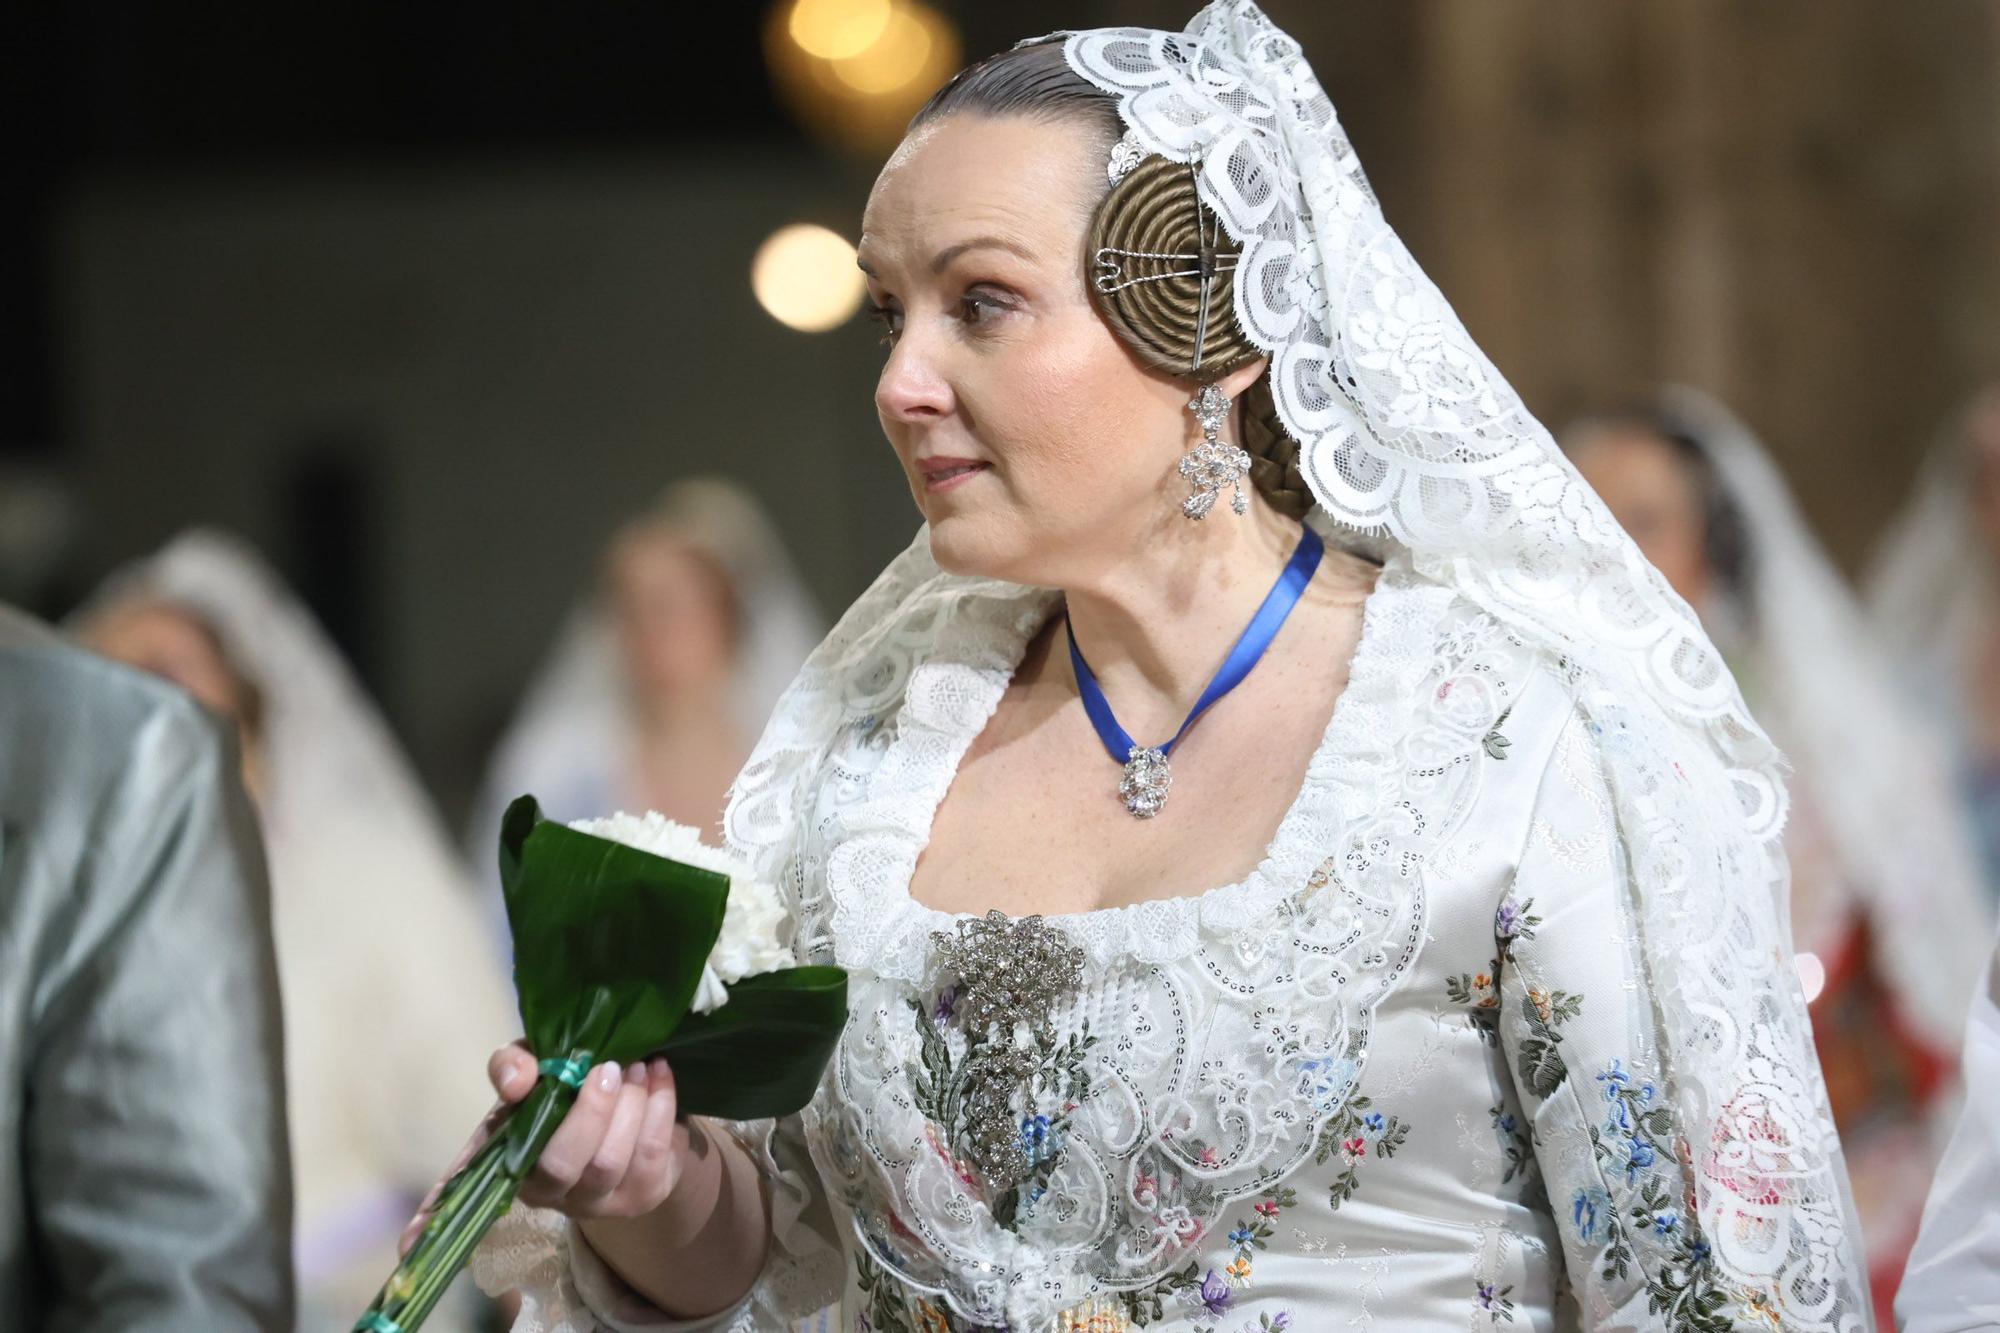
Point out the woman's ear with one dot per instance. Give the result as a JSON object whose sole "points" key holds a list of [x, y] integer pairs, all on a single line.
{"points": [[1238, 381]]}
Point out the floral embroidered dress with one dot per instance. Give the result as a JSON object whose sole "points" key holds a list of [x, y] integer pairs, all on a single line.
{"points": [[1407, 1075]]}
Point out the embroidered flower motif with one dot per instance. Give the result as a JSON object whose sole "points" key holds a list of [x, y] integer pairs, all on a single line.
{"points": [[1514, 920], [1242, 1235], [1328, 1079], [1268, 1208], [1175, 1223], [1495, 1300], [1350, 1134], [1752, 1151], [1665, 1222], [1239, 1272], [947, 1004], [1214, 1294], [1639, 1156], [1039, 1140], [1585, 1209]]}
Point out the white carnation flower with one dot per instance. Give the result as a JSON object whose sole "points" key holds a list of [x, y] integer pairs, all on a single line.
{"points": [[748, 944]]}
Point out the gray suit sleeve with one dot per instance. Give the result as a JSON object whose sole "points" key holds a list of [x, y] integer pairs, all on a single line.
{"points": [[157, 1164]]}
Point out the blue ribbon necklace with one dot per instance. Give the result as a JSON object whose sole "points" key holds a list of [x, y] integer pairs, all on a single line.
{"points": [[1147, 777]]}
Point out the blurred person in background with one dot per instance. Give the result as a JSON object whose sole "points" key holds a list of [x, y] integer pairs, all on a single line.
{"points": [[1934, 598], [663, 679], [1888, 912], [145, 1182], [382, 954]]}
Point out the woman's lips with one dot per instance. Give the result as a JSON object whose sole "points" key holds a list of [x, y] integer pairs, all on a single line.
{"points": [[943, 474]]}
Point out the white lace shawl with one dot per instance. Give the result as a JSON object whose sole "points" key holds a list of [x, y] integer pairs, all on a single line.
{"points": [[1823, 685]]}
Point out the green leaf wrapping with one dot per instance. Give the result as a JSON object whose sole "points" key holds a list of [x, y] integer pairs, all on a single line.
{"points": [[761, 1054], [591, 915], [609, 947]]}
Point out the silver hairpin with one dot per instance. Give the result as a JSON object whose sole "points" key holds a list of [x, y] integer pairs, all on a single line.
{"points": [[1208, 260]]}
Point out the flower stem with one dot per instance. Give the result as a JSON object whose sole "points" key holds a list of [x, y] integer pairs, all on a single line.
{"points": [[471, 1202]]}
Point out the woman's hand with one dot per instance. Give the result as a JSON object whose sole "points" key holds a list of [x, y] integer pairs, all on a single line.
{"points": [[619, 1152]]}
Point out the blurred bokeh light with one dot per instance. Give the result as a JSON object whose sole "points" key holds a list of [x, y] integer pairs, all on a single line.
{"points": [[855, 71], [805, 278]]}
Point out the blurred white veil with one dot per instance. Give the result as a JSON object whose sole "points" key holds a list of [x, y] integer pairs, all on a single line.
{"points": [[391, 998], [1929, 586], [1874, 769], [568, 742]]}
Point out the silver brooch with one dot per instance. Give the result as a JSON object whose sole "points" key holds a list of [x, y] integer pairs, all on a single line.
{"points": [[1008, 970], [1008, 973]]}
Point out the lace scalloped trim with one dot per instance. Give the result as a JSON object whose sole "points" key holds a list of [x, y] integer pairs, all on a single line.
{"points": [[953, 689], [1223, 1053]]}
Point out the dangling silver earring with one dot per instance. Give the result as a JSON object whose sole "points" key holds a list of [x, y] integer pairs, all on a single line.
{"points": [[1213, 464]]}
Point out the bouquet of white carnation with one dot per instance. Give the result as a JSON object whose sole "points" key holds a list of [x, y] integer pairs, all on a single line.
{"points": [[752, 919], [632, 938]]}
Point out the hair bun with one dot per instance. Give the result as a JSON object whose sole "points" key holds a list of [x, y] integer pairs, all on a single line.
{"points": [[1145, 265], [1145, 257]]}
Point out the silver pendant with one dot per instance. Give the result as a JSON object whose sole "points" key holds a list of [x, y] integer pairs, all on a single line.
{"points": [[1146, 782]]}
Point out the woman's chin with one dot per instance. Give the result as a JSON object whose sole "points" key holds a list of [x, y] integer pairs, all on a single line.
{"points": [[968, 544]]}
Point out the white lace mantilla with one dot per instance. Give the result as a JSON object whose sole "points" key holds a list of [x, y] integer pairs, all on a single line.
{"points": [[1227, 1027], [1405, 427]]}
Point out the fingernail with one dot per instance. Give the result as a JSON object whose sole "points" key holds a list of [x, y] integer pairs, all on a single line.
{"points": [[657, 1069], [607, 1077], [635, 1074], [510, 1079]]}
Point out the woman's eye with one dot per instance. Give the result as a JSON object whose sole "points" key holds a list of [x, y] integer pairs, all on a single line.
{"points": [[979, 308], [891, 321]]}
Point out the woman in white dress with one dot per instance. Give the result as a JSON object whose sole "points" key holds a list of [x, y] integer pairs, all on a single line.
{"points": [[1491, 1022], [371, 911], [1888, 910]]}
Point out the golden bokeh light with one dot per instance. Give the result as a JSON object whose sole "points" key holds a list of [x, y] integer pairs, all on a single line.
{"points": [[838, 29], [804, 277], [897, 58], [855, 71]]}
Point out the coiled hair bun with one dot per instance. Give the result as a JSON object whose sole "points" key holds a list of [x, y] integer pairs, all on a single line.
{"points": [[1155, 253]]}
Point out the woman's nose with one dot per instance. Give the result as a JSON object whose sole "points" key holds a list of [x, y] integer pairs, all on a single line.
{"points": [[911, 389]]}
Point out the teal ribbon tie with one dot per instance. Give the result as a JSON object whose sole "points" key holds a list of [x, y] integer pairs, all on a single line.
{"points": [[376, 1322], [570, 1073]]}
